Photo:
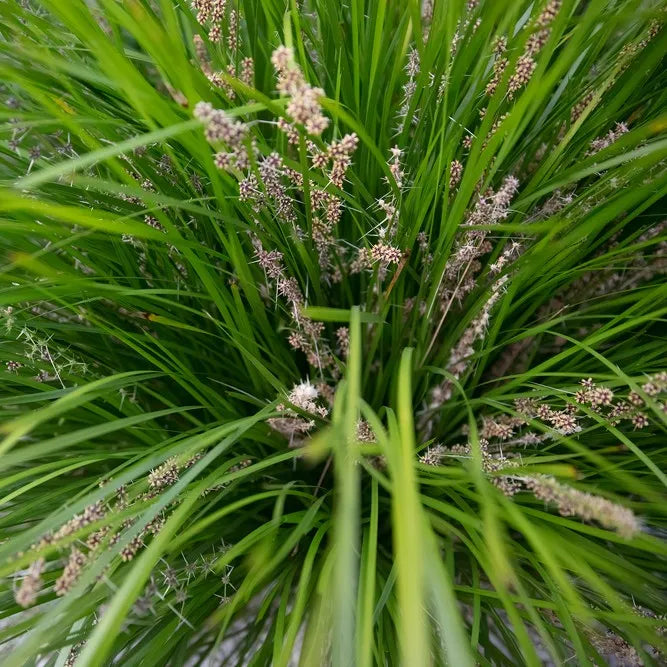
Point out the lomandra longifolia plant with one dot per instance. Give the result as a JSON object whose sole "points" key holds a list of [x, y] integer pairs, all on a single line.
{"points": [[333, 333]]}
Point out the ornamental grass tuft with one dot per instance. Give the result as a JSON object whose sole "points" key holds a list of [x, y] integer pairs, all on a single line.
{"points": [[333, 333]]}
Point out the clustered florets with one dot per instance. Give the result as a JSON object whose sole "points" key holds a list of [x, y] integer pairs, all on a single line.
{"points": [[164, 475], [292, 424], [615, 648], [340, 154], [270, 183], [271, 261], [455, 173], [71, 573], [504, 430], [129, 551], [308, 338], [525, 67], [27, 593], [157, 480], [526, 63], [365, 432], [470, 245], [304, 106], [220, 127], [460, 356], [611, 137], [569, 501], [499, 65], [433, 455], [215, 78], [572, 502], [395, 166], [549, 13], [409, 88], [212, 12], [386, 254], [595, 398], [343, 338]]}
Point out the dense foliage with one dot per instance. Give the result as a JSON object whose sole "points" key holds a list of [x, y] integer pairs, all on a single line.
{"points": [[332, 333]]}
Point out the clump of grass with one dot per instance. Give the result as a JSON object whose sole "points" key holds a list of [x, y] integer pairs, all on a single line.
{"points": [[332, 333]]}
